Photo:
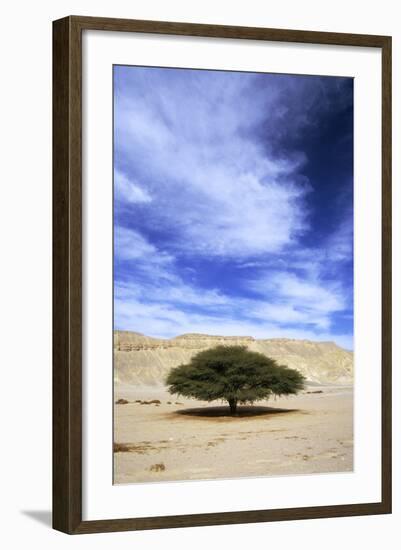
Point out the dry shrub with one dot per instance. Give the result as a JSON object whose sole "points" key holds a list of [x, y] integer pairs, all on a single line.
{"points": [[122, 402], [160, 467], [121, 448]]}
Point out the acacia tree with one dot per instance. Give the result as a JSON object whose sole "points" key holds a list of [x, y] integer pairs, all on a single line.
{"points": [[233, 374]]}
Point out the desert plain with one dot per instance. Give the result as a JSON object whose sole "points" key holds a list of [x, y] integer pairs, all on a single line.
{"points": [[160, 437], [184, 439]]}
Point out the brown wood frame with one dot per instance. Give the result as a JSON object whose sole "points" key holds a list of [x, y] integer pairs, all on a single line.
{"points": [[67, 275]]}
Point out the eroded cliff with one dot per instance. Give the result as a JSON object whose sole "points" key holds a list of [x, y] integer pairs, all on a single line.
{"points": [[143, 361]]}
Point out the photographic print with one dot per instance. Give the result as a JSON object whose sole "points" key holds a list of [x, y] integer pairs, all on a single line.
{"points": [[233, 274], [221, 252]]}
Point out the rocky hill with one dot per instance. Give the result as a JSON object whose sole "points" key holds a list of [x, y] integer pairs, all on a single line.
{"points": [[143, 361]]}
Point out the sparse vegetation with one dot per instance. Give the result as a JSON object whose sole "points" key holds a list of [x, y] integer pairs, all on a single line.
{"points": [[122, 402], [160, 467], [121, 448], [233, 374]]}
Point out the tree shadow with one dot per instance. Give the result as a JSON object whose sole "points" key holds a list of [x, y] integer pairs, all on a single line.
{"points": [[242, 411]]}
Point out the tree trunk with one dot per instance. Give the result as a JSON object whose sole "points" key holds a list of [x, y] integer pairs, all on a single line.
{"points": [[233, 406]]}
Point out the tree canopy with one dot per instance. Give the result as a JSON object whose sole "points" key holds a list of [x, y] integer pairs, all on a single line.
{"points": [[234, 374]]}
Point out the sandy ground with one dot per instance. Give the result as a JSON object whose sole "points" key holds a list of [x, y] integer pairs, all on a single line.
{"points": [[189, 439]]}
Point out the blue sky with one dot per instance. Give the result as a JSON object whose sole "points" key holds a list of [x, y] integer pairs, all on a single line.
{"points": [[233, 204]]}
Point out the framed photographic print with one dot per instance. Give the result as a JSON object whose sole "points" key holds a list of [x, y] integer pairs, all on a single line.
{"points": [[222, 274]]}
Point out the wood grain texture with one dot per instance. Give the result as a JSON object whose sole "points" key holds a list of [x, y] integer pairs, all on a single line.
{"points": [[67, 277], [67, 274], [227, 31], [386, 276], [229, 518]]}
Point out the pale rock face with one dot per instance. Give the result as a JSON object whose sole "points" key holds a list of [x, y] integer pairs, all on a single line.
{"points": [[143, 361]]}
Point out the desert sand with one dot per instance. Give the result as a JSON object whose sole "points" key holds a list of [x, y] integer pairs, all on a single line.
{"points": [[187, 439]]}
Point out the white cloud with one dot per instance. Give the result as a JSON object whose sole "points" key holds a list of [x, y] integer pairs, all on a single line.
{"points": [[339, 246], [167, 321], [282, 314], [131, 245], [175, 291], [129, 191], [220, 194], [162, 283], [163, 304], [316, 295], [304, 300], [191, 148]]}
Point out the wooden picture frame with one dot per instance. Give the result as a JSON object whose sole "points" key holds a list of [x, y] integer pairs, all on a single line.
{"points": [[67, 274]]}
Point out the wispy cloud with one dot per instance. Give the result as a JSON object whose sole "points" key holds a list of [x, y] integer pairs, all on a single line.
{"points": [[127, 190], [165, 320], [131, 245], [212, 208], [165, 305], [194, 149], [300, 299]]}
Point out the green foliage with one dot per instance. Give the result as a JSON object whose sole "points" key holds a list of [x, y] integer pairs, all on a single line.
{"points": [[235, 374]]}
